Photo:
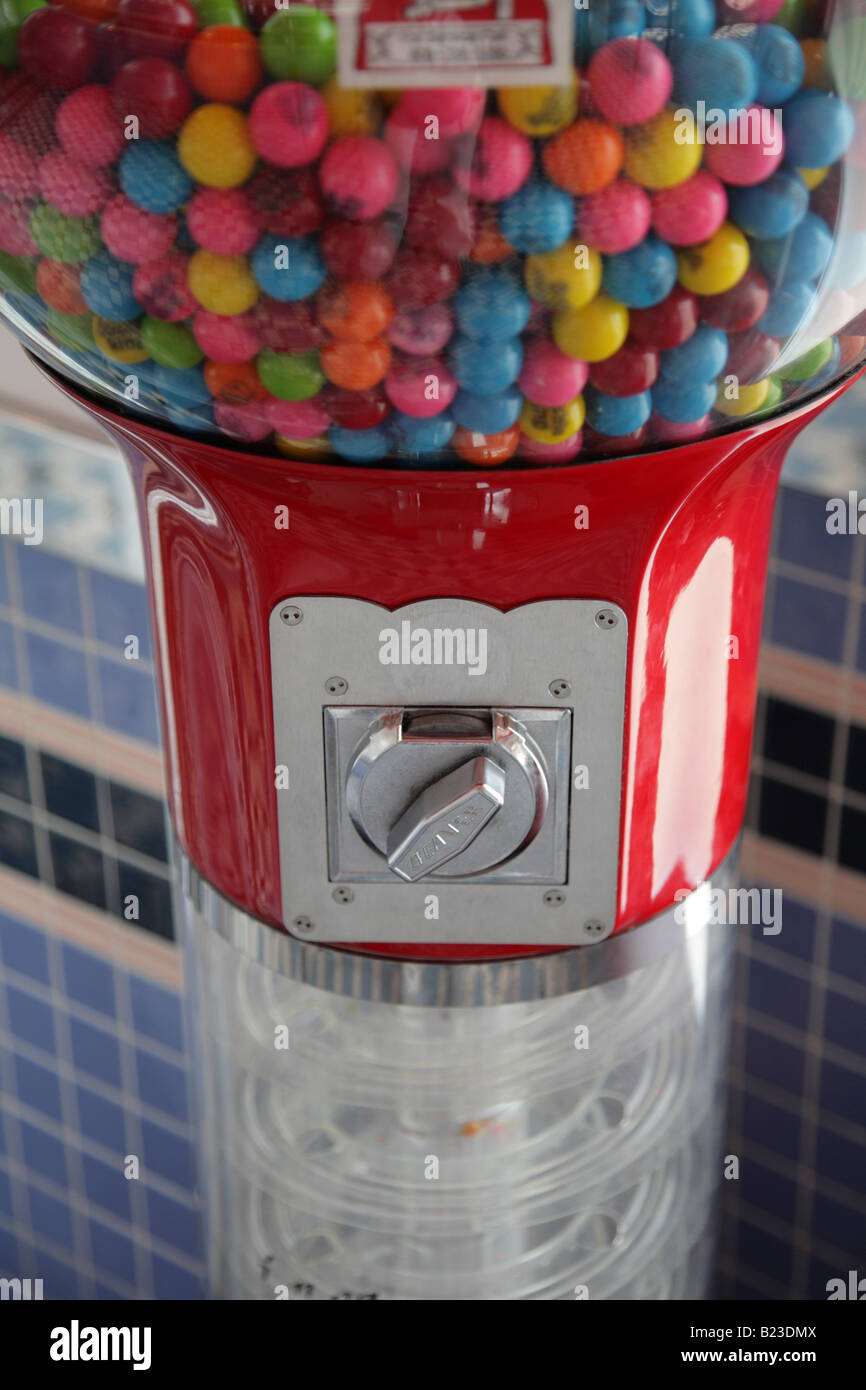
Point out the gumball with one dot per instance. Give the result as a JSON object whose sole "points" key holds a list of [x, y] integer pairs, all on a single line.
{"points": [[487, 414], [419, 278], [690, 212], [287, 327], [420, 387], [492, 304], [358, 250], [156, 28], [803, 255], [170, 344], [441, 218], [132, 234], [548, 377], [351, 112], [751, 356], [15, 235], [829, 371], [56, 48], [245, 423], [60, 286], [493, 163], [755, 153], [813, 178], [565, 279], [215, 148], [74, 331], [411, 148], [538, 111], [552, 424], [355, 410], [28, 111], [75, 188], [285, 202], [12, 15], [296, 376], [532, 451], [672, 432], [816, 71], [67, 239], [701, 358], [222, 284], [772, 208], [744, 400], [738, 308], [222, 220], [683, 406], [288, 124], [586, 157], [106, 285], [718, 71], [616, 218], [617, 415], [421, 332], [358, 177], [628, 372], [213, 12], [296, 419], [643, 276], [300, 44], [630, 81], [811, 362], [486, 450], [663, 151], [287, 270], [717, 264], [19, 169], [790, 305], [186, 388], [87, 126], [594, 332], [360, 446], [161, 288], [17, 275], [481, 371], [779, 60], [539, 217], [230, 339], [113, 48], [155, 92], [818, 127], [455, 110], [356, 312], [491, 246], [418, 437], [222, 63], [152, 176], [119, 341], [356, 366]]}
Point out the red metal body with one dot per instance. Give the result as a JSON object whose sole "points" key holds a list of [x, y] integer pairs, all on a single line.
{"points": [[678, 538]]}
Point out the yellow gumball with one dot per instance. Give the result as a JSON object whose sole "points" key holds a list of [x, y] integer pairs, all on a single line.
{"points": [[593, 333], [664, 151], [567, 278], [300, 449], [119, 341], [747, 399], [716, 265], [222, 284], [350, 112], [812, 177], [552, 424], [214, 146], [539, 110]]}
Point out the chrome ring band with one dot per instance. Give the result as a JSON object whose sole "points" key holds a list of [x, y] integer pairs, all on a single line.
{"points": [[451, 984]]}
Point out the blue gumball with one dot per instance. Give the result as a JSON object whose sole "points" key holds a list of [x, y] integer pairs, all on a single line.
{"points": [[106, 287], [700, 358], [288, 269], [483, 371], [360, 446], [779, 59], [538, 217], [617, 415], [790, 305], [152, 176], [643, 276], [770, 209], [818, 128], [801, 256], [717, 71], [487, 414], [492, 303], [682, 406]]}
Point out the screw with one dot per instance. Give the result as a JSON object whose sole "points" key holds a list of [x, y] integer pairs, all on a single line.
{"points": [[594, 929], [303, 924], [606, 618], [553, 898], [343, 895], [292, 615], [336, 685], [560, 688]]}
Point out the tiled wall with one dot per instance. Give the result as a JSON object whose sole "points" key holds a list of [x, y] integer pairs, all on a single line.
{"points": [[94, 1066]]}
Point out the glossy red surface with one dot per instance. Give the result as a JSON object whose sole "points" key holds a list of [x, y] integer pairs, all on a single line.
{"points": [[679, 539]]}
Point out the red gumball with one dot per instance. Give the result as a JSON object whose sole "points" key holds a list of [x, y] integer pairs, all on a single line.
{"points": [[359, 250], [355, 410], [751, 356], [441, 218], [286, 202], [156, 92], [161, 288], [628, 372], [156, 28], [667, 324], [288, 327], [28, 112], [419, 278], [738, 308], [56, 48]]}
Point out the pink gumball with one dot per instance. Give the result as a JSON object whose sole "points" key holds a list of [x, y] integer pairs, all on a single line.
{"points": [[15, 236], [359, 177], [691, 212], [244, 422], [223, 339], [630, 80], [288, 124], [495, 162], [421, 332], [77, 189], [19, 168], [533, 451], [222, 220], [750, 11], [449, 110], [412, 148], [616, 218], [549, 378], [421, 388], [296, 419], [673, 432], [132, 234], [754, 155]]}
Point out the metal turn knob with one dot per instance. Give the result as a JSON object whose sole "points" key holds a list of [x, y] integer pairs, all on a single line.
{"points": [[444, 820]]}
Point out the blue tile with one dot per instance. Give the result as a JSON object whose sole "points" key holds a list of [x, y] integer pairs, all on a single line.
{"points": [[70, 791], [101, 1120], [167, 1155], [23, 948], [89, 980], [848, 950], [843, 1093], [767, 1190], [803, 538], [106, 1186], [120, 610], [43, 1153], [5, 1194], [18, 844], [38, 1087], [58, 675], [799, 924], [173, 1223], [845, 1022], [770, 1126], [8, 662], [59, 1279], [841, 1160], [5, 547], [161, 1084], [837, 1224], [95, 1051], [139, 821], [10, 1258], [31, 1020], [49, 588], [128, 700], [173, 1283], [112, 1253], [156, 1012], [775, 1062], [50, 1218], [763, 1253], [809, 620], [778, 993]]}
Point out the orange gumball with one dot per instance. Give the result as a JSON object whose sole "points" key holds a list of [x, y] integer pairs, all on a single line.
{"points": [[234, 383], [356, 312], [815, 70], [356, 366], [486, 450], [490, 244], [222, 64], [586, 157], [59, 285]]}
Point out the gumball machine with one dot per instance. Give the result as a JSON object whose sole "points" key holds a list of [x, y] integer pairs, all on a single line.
{"points": [[455, 349]]}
